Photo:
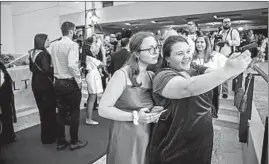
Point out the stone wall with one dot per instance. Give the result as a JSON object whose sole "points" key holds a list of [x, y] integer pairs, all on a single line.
{"points": [[22, 88]]}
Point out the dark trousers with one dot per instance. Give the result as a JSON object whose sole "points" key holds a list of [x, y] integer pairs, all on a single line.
{"points": [[45, 100], [104, 79], [215, 101], [68, 97], [8, 134]]}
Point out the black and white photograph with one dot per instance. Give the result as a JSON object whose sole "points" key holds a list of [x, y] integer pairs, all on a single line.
{"points": [[134, 82]]}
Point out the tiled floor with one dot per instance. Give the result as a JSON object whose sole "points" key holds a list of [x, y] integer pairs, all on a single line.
{"points": [[230, 151], [102, 160], [230, 147]]}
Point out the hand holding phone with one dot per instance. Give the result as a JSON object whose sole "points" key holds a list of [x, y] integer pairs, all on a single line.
{"points": [[156, 109]]}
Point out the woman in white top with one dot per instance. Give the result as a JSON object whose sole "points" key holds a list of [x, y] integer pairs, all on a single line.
{"points": [[93, 77], [204, 55]]}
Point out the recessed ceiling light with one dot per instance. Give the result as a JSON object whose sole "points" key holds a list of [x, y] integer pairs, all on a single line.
{"points": [[265, 13], [152, 21], [128, 24], [240, 28], [123, 28], [136, 27]]}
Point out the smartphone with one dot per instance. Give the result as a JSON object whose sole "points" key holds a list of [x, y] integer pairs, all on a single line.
{"points": [[248, 47], [162, 111], [156, 110]]}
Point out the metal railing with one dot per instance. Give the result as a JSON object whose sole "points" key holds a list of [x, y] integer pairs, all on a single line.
{"points": [[246, 116], [13, 61], [264, 159]]}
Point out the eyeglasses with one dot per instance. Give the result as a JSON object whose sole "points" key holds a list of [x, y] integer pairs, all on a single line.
{"points": [[151, 50]]}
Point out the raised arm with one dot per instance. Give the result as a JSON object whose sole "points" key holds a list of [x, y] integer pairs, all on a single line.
{"points": [[180, 87]]}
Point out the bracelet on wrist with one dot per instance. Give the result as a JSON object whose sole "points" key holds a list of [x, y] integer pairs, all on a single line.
{"points": [[135, 118]]}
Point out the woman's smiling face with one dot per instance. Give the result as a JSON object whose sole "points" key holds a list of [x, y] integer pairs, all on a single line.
{"points": [[180, 57], [200, 44]]}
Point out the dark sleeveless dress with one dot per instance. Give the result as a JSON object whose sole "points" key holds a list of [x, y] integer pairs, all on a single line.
{"points": [[128, 143], [183, 134]]}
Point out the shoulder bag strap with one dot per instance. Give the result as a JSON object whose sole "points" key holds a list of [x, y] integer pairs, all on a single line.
{"points": [[41, 70], [249, 78], [233, 47]]}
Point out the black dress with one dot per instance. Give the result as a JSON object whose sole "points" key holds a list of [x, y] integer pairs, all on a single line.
{"points": [[43, 91], [8, 114], [183, 134]]}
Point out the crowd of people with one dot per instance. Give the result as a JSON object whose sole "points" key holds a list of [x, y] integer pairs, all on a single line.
{"points": [[159, 91]]}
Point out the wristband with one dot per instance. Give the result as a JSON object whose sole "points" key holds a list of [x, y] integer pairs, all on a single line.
{"points": [[135, 118]]}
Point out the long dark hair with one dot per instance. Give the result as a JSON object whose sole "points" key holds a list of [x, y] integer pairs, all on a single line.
{"points": [[39, 42], [208, 50], [135, 44], [169, 42], [86, 47]]}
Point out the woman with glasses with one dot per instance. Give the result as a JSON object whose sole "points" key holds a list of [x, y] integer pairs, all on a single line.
{"points": [[184, 133], [128, 104], [164, 33], [204, 55]]}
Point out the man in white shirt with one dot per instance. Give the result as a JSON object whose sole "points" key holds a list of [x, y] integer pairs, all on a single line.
{"points": [[193, 28], [192, 36], [65, 59], [230, 38], [226, 46]]}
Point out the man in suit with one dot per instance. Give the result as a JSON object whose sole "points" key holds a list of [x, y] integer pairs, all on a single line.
{"points": [[119, 58]]}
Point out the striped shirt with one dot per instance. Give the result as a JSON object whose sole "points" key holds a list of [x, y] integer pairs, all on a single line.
{"points": [[65, 59]]}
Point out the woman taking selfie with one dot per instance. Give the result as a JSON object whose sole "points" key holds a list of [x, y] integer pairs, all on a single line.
{"points": [[184, 133]]}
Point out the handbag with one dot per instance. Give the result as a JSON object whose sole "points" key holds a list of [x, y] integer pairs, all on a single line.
{"points": [[240, 99]]}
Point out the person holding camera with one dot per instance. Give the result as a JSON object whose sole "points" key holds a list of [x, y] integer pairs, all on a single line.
{"points": [[227, 38], [226, 41]]}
